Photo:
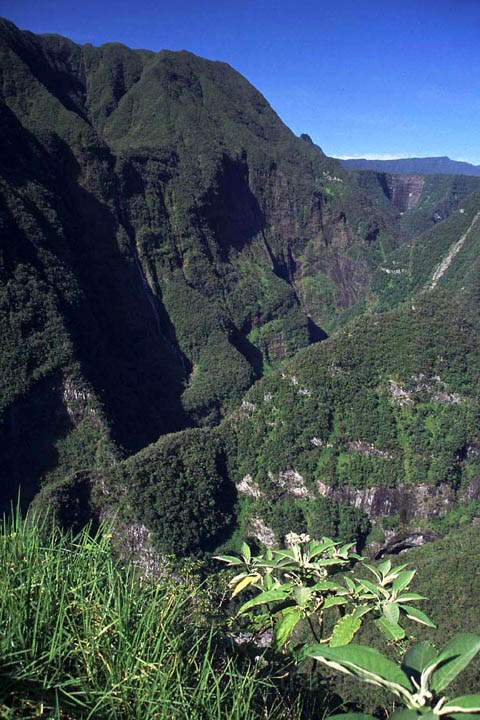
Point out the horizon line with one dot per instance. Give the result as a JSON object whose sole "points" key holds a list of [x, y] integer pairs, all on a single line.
{"points": [[406, 156]]}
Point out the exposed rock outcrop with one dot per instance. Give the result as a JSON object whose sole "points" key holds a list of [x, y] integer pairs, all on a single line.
{"points": [[416, 501], [290, 482], [259, 529], [405, 190], [398, 542], [247, 486], [135, 544], [420, 387]]}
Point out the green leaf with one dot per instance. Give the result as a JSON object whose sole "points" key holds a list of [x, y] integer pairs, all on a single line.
{"points": [[287, 625], [393, 574], [403, 580], [230, 559], [268, 582], [454, 657], [246, 552], [391, 630], [356, 556], [418, 658], [391, 612], [408, 597], [372, 570], [334, 600], [324, 562], [285, 554], [265, 597], [345, 630], [374, 589], [316, 548], [404, 714], [350, 584], [384, 567], [462, 704], [326, 585], [361, 611], [364, 662], [344, 550], [417, 615]]}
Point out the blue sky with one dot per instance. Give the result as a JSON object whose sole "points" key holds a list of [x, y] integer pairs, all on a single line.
{"points": [[362, 77]]}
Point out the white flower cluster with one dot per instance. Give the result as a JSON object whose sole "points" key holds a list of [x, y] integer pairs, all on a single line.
{"points": [[292, 539]]}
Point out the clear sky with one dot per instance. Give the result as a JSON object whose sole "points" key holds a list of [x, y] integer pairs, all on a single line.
{"points": [[362, 77]]}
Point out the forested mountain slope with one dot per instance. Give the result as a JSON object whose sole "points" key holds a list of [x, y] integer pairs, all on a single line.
{"points": [[380, 421], [170, 255], [164, 238], [445, 256]]}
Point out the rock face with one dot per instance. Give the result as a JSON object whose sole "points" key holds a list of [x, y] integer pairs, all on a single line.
{"points": [[262, 532], [135, 545], [398, 542], [420, 501], [247, 486], [404, 191], [291, 483], [410, 502]]}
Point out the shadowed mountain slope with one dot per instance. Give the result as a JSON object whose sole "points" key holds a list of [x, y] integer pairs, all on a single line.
{"points": [[165, 237]]}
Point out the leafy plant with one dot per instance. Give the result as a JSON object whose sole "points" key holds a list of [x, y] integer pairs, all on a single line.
{"points": [[299, 583], [389, 597], [418, 682]]}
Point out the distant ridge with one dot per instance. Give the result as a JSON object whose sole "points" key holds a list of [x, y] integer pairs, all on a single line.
{"points": [[423, 166]]}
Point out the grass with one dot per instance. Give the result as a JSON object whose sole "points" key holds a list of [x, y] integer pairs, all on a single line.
{"points": [[82, 636]]}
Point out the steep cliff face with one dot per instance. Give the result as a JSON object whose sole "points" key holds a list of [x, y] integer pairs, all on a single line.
{"points": [[404, 190], [162, 236], [420, 201], [445, 256]]}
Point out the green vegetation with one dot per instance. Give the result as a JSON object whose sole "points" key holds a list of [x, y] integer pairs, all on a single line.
{"points": [[316, 517], [83, 636], [346, 414], [179, 489], [311, 580], [440, 196], [410, 269], [298, 584], [314, 441], [419, 682], [172, 255], [450, 588]]}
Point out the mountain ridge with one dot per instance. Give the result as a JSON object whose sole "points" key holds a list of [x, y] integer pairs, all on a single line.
{"points": [[415, 165]]}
